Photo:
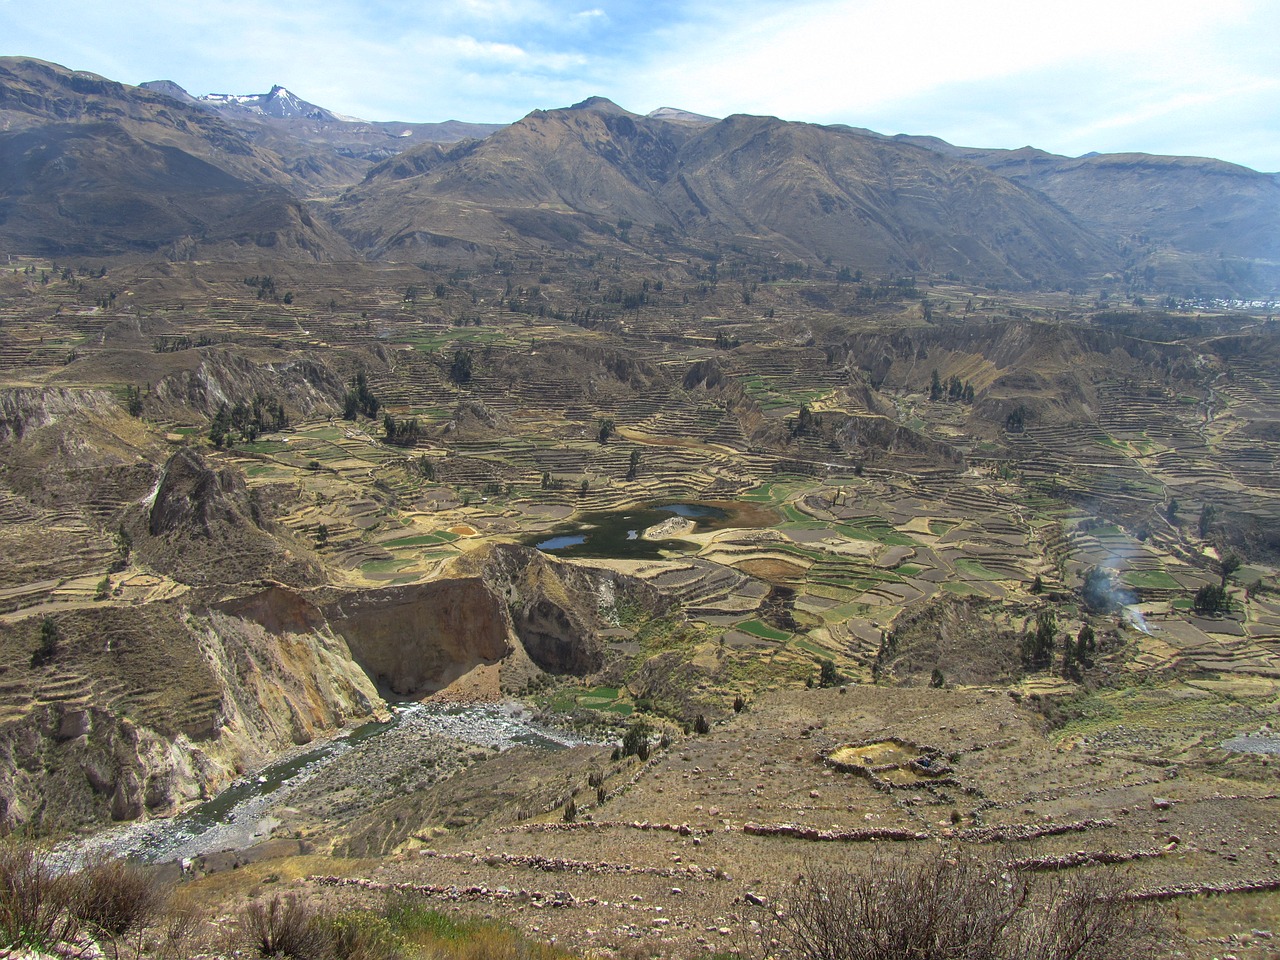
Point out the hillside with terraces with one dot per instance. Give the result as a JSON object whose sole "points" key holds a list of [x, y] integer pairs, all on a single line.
{"points": [[211, 551]]}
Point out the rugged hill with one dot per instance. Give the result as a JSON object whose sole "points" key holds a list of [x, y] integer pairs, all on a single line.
{"points": [[321, 148], [1178, 220], [802, 191], [97, 168]]}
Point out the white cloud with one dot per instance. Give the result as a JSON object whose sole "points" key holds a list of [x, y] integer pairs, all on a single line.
{"points": [[1135, 73]]}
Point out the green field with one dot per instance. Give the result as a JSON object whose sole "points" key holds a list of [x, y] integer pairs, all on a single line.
{"points": [[764, 631]]}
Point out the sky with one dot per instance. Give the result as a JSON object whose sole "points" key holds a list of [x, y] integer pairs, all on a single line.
{"points": [[1174, 77]]}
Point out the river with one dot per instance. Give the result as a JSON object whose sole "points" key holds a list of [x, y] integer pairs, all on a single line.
{"points": [[240, 815]]}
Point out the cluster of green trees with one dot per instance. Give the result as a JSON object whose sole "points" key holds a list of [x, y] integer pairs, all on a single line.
{"points": [[1212, 598], [170, 343], [133, 400], [460, 369], [266, 288], [1038, 646], [402, 432], [806, 422], [246, 420], [952, 391], [359, 399]]}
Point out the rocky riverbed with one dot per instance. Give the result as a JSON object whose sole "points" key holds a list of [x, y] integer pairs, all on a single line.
{"points": [[334, 780]]}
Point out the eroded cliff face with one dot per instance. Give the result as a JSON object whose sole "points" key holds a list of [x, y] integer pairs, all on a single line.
{"points": [[419, 638], [557, 609], [138, 712]]}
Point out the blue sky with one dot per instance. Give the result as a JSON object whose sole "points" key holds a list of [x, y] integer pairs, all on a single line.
{"points": [[1176, 77]]}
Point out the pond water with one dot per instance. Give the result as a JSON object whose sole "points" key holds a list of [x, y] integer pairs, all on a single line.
{"points": [[616, 533]]}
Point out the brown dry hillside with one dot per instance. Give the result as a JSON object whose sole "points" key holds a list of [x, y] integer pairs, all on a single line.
{"points": [[91, 167], [584, 175], [1176, 218]]}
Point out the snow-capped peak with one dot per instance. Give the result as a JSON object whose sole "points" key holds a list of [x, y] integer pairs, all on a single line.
{"points": [[277, 102]]}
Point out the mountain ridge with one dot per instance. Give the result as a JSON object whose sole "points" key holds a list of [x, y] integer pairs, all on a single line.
{"points": [[308, 182]]}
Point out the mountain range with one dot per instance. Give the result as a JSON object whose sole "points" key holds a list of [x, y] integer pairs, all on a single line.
{"points": [[94, 168]]}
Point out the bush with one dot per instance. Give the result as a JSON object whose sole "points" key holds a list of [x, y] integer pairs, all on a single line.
{"points": [[117, 897], [287, 928], [635, 742], [35, 901], [963, 907], [828, 676], [364, 936]]}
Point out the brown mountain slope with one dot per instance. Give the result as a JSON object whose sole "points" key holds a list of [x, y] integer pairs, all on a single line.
{"points": [[1191, 220], [862, 200], [800, 190], [89, 166], [321, 150]]}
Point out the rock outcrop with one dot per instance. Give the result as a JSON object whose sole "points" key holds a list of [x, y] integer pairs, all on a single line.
{"points": [[416, 639], [204, 526]]}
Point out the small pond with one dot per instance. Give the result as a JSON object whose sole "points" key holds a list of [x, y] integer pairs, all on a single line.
{"points": [[616, 533]]}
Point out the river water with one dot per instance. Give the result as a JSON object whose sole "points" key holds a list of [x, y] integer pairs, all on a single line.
{"points": [[240, 815]]}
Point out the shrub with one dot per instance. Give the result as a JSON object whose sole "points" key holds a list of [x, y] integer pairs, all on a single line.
{"points": [[118, 897], [635, 742], [35, 901], [963, 907], [364, 936], [287, 928]]}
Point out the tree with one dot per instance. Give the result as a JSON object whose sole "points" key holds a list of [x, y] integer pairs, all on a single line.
{"points": [[635, 742], [604, 429], [359, 399], [1212, 599], [50, 642], [1037, 585], [1208, 514], [828, 676], [403, 432], [1086, 645], [1037, 648], [633, 465], [1171, 511], [937, 679], [1229, 565], [935, 387], [221, 426], [806, 422], [1099, 591], [460, 370]]}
